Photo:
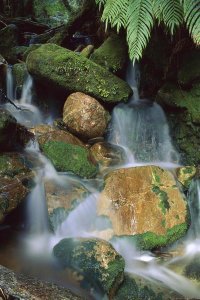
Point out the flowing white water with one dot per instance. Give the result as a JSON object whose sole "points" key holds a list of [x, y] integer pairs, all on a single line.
{"points": [[10, 83]]}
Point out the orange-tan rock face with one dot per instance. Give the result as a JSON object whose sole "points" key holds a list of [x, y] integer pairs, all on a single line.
{"points": [[142, 199], [85, 116]]}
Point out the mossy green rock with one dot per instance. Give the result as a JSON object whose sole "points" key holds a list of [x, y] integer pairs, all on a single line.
{"points": [[8, 126], [172, 96], [57, 12], [71, 72], [96, 260], [112, 54], [185, 175], [70, 158]]}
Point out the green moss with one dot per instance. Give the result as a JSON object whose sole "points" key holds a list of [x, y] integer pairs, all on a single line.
{"points": [[75, 73], [164, 203], [20, 73], [70, 158], [86, 256], [150, 240], [112, 54], [130, 290]]}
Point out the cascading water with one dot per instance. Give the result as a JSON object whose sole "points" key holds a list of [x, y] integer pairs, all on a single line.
{"points": [[140, 128], [9, 83]]}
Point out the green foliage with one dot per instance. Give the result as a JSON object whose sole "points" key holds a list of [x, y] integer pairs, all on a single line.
{"points": [[138, 18]]}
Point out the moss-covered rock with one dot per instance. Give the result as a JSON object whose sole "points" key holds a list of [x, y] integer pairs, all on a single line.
{"points": [[8, 126], [9, 39], [57, 12], [71, 72], [96, 260], [112, 54], [185, 175], [19, 73], [70, 158], [145, 205]]}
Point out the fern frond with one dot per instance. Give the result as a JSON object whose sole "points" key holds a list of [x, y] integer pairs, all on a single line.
{"points": [[139, 24], [115, 13], [100, 3], [192, 18]]}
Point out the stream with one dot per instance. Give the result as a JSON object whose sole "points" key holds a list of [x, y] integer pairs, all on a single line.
{"points": [[140, 128]]}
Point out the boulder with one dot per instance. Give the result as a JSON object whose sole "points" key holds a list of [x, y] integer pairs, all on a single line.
{"points": [[185, 175], [8, 127], [57, 12], [70, 158], [112, 54], [47, 133], [20, 74], [85, 116], [107, 154], [96, 260], [9, 39], [145, 204], [15, 181], [71, 72]]}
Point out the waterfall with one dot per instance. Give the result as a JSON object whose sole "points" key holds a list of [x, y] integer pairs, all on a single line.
{"points": [[10, 83], [26, 97], [141, 129]]}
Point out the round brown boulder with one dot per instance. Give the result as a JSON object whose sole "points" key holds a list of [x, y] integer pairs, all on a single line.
{"points": [[85, 116]]}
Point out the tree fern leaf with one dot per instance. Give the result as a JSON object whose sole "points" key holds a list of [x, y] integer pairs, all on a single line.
{"points": [[192, 18], [139, 25], [115, 13]]}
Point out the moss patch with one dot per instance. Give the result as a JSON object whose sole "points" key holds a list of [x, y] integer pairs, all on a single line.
{"points": [[70, 158]]}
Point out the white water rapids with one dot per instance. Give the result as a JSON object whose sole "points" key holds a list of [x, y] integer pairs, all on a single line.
{"points": [[140, 128]]}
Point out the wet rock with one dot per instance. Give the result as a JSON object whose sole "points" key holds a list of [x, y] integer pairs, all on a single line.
{"points": [[192, 269], [112, 54], [85, 116], [22, 287], [9, 39], [72, 72], [8, 126], [16, 180], [47, 133], [20, 74], [96, 260], [185, 175], [2, 60], [70, 158], [29, 50], [58, 12], [87, 51], [107, 154], [145, 204]]}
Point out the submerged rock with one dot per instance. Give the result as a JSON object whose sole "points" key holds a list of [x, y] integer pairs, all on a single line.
{"points": [[96, 260], [145, 204], [72, 72], [85, 116], [112, 54], [70, 158]]}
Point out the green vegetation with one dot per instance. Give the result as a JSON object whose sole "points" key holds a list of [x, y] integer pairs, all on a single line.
{"points": [[138, 17], [70, 158]]}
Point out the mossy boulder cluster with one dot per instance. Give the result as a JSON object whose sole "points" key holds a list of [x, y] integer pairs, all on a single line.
{"points": [[72, 72], [152, 191]]}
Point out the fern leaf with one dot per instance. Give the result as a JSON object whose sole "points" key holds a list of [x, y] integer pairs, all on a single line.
{"points": [[115, 13], [139, 24], [192, 18], [100, 3]]}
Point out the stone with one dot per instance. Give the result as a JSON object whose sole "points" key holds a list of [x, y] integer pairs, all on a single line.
{"points": [[70, 158], [47, 133], [96, 260], [112, 54], [107, 155], [84, 116], [20, 74], [8, 127], [87, 51], [144, 204], [72, 72], [23, 287], [185, 175], [59, 12], [192, 269], [9, 39]]}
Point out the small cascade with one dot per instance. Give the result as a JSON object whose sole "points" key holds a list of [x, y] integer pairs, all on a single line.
{"points": [[10, 83], [194, 204], [26, 97], [141, 129]]}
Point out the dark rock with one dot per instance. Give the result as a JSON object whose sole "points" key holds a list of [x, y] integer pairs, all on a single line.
{"points": [[9, 39]]}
